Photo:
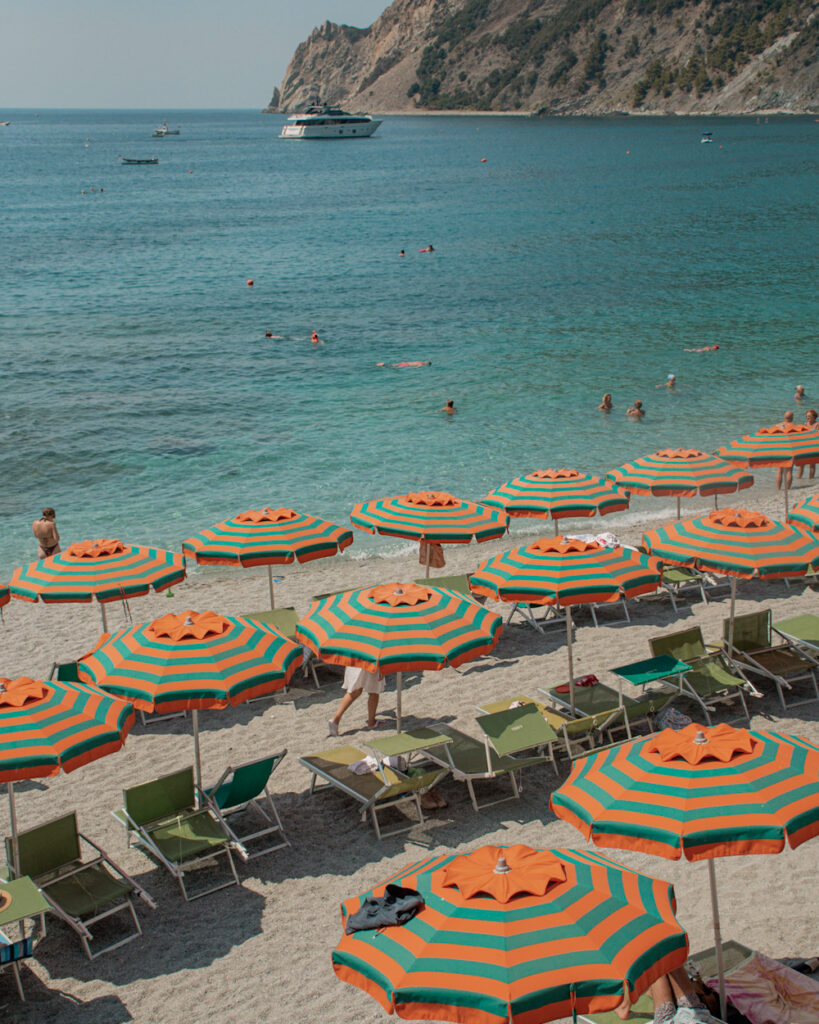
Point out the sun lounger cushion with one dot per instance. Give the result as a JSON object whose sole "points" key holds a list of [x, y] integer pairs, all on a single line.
{"points": [[768, 992]]}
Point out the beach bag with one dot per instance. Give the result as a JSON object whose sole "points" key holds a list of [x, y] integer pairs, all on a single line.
{"points": [[396, 906], [436, 555]]}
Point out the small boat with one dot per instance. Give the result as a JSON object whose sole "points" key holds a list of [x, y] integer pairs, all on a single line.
{"points": [[322, 122], [706, 137], [144, 160], [163, 130]]}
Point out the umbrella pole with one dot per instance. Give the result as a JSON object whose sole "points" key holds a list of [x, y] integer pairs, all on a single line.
{"points": [[104, 615], [554, 524], [678, 508], [270, 584], [571, 658], [733, 608], [398, 716], [15, 852], [785, 475], [197, 757], [426, 572], [716, 501], [712, 877]]}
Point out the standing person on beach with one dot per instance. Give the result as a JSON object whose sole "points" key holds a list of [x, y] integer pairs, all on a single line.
{"points": [[810, 418], [356, 682], [787, 472], [45, 530]]}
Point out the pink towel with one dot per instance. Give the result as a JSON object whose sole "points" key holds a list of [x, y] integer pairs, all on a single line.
{"points": [[768, 992]]}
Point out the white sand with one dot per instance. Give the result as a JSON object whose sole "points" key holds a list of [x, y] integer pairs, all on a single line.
{"points": [[262, 953]]}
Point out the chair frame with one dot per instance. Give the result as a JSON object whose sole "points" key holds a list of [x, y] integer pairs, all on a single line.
{"points": [[257, 803], [142, 833], [81, 924], [26, 952], [746, 662]]}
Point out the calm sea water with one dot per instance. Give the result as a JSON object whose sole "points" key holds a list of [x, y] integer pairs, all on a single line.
{"points": [[142, 399]]}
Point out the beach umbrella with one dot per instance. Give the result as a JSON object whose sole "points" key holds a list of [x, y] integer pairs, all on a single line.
{"points": [[559, 493], [5, 597], [54, 726], [563, 571], [190, 662], [431, 516], [513, 935], [806, 513], [680, 472], [107, 570], [736, 543], [697, 793], [267, 536], [784, 445], [399, 627]]}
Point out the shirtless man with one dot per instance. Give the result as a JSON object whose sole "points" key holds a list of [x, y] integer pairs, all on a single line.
{"points": [[449, 408], [783, 471], [636, 410], [45, 530], [810, 418]]}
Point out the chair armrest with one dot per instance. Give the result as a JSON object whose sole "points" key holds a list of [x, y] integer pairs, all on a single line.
{"points": [[143, 894]]}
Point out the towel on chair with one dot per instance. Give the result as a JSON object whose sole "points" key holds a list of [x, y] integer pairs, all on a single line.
{"points": [[768, 992]]}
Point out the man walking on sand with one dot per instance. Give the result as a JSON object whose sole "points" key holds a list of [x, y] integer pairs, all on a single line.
{"points": [[45, 530]]}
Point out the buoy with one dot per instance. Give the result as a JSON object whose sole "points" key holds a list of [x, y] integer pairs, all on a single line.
{"points": [[628, 152], [190, 172], [483, 159], [250, 282]]}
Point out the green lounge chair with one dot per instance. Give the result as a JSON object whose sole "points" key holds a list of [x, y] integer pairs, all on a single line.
{"points": [[506, 734], [284, 620], [642, 1012], [679, 581], [588, 700], [374, 791], [711, 679], [244, 788], [79, 892], [754, 652], [554, 718], [162, 817], [460, 584]]}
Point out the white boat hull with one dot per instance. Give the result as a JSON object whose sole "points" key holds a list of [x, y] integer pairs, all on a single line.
{"points": [[360, 130]]}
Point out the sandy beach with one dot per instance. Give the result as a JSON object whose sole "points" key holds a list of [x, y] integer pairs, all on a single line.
{"points": [[261, 953]]}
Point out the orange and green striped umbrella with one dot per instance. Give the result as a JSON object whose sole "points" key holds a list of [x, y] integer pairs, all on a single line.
{"points": [[5, 597], [806, 513], [680, 472], [399, 627], [191, 661], [698, 793], [49, 727], [432, 516], [513, 935], [267, 536], [107, 570], [784, 445], [559, 493], [566, 571]]}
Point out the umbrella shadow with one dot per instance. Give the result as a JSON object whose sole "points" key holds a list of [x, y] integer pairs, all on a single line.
{"points": [[46, 1004]]}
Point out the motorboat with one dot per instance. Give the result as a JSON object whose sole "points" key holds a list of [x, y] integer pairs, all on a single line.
{"points": [[163, 130], [324, 122], [706, 137], [143, 160]]}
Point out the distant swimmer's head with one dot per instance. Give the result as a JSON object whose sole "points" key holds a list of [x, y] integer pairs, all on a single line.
{"points": [[638, 404], [268, 334], [716, 347]]}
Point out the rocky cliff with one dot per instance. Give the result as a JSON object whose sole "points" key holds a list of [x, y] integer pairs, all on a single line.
{"points": [[565, 57]]}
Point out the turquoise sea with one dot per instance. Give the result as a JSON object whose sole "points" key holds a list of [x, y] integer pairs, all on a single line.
{"points": [[141, 398]]}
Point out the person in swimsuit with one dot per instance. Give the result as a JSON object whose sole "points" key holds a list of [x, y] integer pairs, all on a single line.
{"points": [[675, 1002], [45, 530], [636, 411], [787, 472], [705, 348], [315, 338], [449, 408], [400, 366], [799, 394], [605, 405], [810, 419]]}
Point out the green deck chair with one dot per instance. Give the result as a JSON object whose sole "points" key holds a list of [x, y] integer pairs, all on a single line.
{"points": [[284, 620], [711, 679], [162, 817], [79, 892], [755, 652], [244, 788], [554, 718], [642, 1012], [506, 735], [374, 791], [679, 581]]}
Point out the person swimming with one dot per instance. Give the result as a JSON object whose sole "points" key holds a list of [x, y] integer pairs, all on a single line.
{"points": [[636, 410], [315, 338], [670, 382], [799, 394], [401, 366], [705, 348], [605, 405], [429, 248], [449, 408], [402, 253]]}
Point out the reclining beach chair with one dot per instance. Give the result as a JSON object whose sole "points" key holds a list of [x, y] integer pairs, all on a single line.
{"points": [[162, 817], [80, 892], [642, 1012], [375, 790], [12, 954], [712, 679], [680, 581], [754, 652], [505, 735], [284, 620], [244, 788]]}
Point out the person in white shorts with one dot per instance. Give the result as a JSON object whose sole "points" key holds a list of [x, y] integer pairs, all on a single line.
{"points": [[356, 682]]}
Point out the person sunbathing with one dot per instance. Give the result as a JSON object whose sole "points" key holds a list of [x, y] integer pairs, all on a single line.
{"points": [[675, 1002]]}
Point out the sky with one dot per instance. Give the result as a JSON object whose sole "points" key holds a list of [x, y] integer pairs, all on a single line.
{"points": [[164, 55]]}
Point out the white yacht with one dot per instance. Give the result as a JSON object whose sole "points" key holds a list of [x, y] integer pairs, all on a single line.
{"points": [[163, 130], [323, 122]]}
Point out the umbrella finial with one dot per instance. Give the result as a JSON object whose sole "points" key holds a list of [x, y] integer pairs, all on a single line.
{"points": [[502, 868], [189, 620], [700, 737]]}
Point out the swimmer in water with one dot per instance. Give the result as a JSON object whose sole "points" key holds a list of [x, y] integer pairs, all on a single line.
{"points": [[605, 405], [799, 394], [449, 408], [401, 366], [268, 334], [636, 410], [705, 348], [429, 248], [671, 382], [402, 253], [315, 338]]}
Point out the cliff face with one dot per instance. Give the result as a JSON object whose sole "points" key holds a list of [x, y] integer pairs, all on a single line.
{"points": [[565, 57]]}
